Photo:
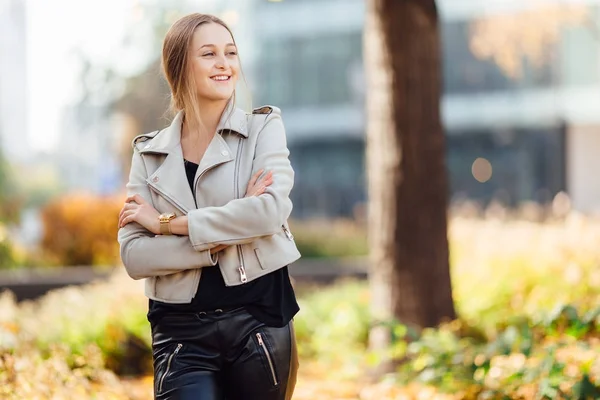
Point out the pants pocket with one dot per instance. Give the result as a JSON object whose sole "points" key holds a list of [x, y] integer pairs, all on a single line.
{"points": [[165, 368], [267, 355]]}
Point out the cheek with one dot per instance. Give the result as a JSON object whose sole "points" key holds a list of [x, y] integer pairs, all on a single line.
{"points": [[235, 67], [201, 70]]}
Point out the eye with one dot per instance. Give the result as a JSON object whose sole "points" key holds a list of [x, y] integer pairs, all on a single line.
{"points": [[233, 53], [210, 53]]}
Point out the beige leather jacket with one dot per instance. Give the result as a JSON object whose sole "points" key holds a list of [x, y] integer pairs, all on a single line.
{"points": [[255, 227]]}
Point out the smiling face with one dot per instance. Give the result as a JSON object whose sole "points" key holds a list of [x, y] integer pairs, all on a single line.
{"points": [[213, 62]]}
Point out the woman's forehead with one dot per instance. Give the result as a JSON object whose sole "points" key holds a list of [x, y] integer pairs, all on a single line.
{"points": [[211, 34]]}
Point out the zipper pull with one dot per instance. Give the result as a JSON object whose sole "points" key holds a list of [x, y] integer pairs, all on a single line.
{"points": [[260, 340], [288, 234], [179, 346], [243, 276]]}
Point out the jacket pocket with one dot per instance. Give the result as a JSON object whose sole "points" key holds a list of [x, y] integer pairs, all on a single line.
{"points": [[258, 257]]}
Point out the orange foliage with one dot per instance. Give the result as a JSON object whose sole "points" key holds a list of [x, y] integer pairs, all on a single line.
{"points": [[508, 38], [81, 229]]}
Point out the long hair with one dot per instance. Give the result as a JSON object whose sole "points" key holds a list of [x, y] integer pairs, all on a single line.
{"points": [[176, 68]]}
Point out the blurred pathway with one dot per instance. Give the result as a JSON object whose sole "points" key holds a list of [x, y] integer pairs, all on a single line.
{"points": [[313, 384]]}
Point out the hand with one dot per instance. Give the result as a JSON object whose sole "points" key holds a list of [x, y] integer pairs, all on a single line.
{"points": [[136, 209], [218, 248], [256, 186]]}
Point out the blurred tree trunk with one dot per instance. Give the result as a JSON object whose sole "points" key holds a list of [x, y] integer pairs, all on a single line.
{"points": [[408, 189]]}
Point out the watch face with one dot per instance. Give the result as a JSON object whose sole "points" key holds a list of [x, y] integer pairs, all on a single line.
{"points": [[167, 217]]}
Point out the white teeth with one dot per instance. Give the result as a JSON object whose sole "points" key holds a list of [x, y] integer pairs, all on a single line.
{"points": [[220, 78]]}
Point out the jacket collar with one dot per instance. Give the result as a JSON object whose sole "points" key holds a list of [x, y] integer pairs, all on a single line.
{"points": [[233, 119]]}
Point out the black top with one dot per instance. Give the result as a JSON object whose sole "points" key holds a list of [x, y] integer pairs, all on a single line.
{"points": [[270, 298]]}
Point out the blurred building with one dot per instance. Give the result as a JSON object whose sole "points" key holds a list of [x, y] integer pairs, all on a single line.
{"points": [[310, 65], [540, 133], [13, 81]]}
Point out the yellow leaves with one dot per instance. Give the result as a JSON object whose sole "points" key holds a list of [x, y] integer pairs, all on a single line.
{"points": [[81, 229], [391, 391], [25, 374], [508, 38]]}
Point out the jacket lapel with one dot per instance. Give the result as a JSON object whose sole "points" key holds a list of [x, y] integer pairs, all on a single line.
{"points": [[216, 154], [170, 179]]}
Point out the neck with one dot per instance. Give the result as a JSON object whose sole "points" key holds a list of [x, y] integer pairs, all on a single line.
{"points": [[210, 116]]}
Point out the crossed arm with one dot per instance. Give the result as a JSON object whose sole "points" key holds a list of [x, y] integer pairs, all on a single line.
{"points": [[204, 232]]}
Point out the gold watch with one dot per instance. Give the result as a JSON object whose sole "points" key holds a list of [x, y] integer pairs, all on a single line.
{"points": [[165, 223]]}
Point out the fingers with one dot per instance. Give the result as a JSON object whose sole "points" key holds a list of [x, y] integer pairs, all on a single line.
{"points": [[261, 186], [127, 220], [254, 178], [267, 179], [264, 181], [126, 217], [126, 206], [135, 198], [218, 248], [256, 185]]}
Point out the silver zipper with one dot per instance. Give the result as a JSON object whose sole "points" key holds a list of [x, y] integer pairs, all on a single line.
{"points": [[170, 199], [262, 344], [243, 276], [241, 269], [236, 186], [162, 378], [288, 234]]}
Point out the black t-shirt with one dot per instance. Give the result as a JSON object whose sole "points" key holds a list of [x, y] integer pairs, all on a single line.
{"points": [[270, 298]]}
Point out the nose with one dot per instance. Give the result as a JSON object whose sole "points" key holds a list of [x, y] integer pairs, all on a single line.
{"points": [[222, 63]]}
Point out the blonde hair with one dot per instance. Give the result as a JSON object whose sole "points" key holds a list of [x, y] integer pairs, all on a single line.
{"points": [[175, 65]]}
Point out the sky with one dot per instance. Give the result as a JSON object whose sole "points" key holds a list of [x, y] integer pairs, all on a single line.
{"points": [[54, 29]]}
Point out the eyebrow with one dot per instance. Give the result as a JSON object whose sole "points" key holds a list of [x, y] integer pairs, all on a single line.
{"points": [[212, 45]]}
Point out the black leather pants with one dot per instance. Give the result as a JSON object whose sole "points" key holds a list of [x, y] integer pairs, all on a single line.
{"points": [[222, 356]]}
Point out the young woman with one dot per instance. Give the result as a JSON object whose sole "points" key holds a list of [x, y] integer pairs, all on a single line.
{"points": [[205, 224]]}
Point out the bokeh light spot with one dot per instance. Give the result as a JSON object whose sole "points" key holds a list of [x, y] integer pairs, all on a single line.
{"points": [[481, 170]]}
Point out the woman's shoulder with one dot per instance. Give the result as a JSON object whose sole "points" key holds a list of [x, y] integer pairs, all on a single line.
{"points": [[260, 116], [267, 110], [144, 137]]}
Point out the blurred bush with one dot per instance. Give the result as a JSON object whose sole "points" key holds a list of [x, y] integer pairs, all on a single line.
{"points": [[10, 199], [27, 373], [333, 325], [7, 258], [330, 238], [506, 268], [81, 229], [529, 322], [108, 315]]}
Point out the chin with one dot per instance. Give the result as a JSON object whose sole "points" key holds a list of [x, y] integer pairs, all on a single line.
{"points": [[216, 95], [221, 97]]}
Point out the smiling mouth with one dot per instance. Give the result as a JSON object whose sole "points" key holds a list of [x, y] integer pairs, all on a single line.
{"points": [[221, 78]]}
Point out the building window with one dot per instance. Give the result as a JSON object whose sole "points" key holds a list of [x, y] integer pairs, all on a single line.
{"points": [[335, 193], [305, 71], [466, 74], [526, 164]]}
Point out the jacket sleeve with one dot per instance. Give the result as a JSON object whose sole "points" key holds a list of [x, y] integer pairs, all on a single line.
{"points": [[244, 220], [144, 254]]}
